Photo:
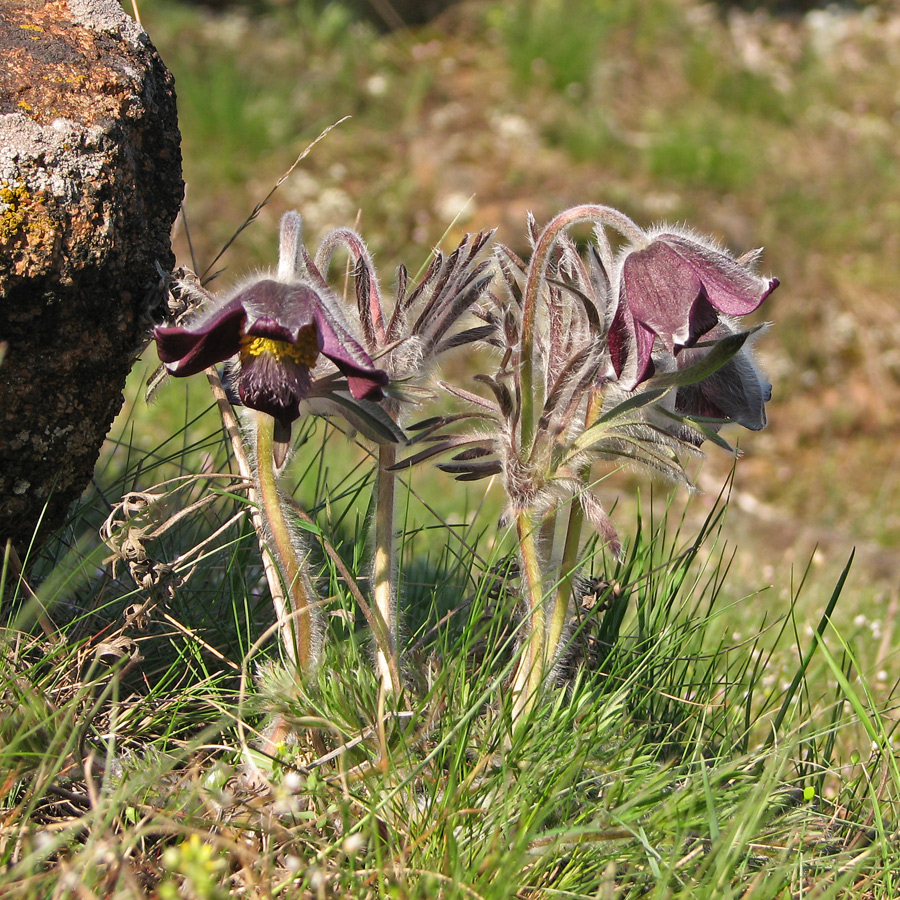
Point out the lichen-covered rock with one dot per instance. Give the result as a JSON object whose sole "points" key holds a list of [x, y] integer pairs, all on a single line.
{"points": [[90, 184]]}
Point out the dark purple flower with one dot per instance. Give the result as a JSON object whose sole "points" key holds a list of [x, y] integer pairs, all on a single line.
{"points": [[674, 289], [277, 331], [736, 392]]}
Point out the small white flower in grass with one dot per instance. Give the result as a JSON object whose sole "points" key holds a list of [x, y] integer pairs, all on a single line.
{"points": [[293, 781], [43, 840], [353, 844], [70, 881]]}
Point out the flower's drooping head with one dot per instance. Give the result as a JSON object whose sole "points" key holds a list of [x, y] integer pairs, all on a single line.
{"points": [[736, 392], [277, 331], [674, 288]]}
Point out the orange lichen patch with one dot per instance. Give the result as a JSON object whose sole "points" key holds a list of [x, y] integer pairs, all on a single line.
{"points": [[45, 55]]}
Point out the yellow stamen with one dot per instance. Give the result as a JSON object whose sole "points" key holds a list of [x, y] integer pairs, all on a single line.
{"points": [[305, 351]]}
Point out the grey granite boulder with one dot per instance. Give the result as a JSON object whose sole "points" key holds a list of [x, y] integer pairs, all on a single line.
{"points": [[90, 184]]}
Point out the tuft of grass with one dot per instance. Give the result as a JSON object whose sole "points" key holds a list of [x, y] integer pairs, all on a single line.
{"points": [[662, 765], [702, 150], [558, 43]]}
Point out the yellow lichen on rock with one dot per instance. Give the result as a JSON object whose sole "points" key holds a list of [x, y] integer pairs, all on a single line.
{"points": [[21, 213], [12, 219]]}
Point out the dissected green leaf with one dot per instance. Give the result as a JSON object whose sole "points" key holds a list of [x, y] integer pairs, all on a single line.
{"points": [[635, 401], [368, 418], [719, 354], [697, 423], [436, 449]]}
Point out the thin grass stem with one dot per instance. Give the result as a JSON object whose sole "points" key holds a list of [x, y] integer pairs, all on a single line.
{"points": [[813, 647]]}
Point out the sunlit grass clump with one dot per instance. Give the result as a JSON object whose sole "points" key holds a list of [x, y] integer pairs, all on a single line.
{"points": [[660, 764]]}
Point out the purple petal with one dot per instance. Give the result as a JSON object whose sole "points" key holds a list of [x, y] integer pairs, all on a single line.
{"points": [[676, 287], [737, 392], [619, 340], [281, 441], [628, 338], [279, 311], [363, 378], [703, 318], [731, 287], [365, 385], [271, 330], [188, 350], [661, 289]]}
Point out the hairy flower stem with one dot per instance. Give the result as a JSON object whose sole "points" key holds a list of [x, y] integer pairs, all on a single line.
{"points": [[534, 278], [542, 641], [238, 447], [569, 561], [295, 618], [567, 567], [530, 672], [385, 566]]}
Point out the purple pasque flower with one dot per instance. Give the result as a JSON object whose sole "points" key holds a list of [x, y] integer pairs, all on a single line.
{"points": [[277, 331], [673, 289], [736, 392]]}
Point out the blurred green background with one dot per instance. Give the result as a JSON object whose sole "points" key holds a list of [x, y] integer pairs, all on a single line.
{"points": [[759, 124]]}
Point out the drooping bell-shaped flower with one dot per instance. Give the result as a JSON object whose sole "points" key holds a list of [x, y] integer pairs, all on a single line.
{"points": [[674, 289], [736, 392]]}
